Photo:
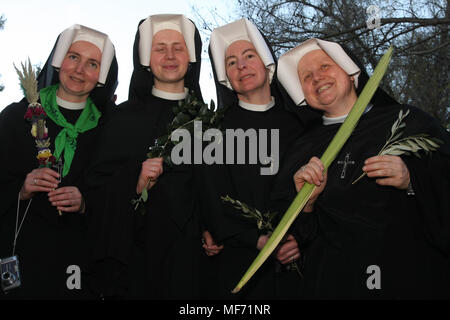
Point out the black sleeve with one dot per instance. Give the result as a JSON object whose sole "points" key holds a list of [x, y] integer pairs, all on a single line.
{"points": [[13, 166], [430, 179], [222, 220]]}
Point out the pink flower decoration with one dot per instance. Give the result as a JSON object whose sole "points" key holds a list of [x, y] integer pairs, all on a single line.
{"points": [[28, 114], [52, 159], [38, 111]]}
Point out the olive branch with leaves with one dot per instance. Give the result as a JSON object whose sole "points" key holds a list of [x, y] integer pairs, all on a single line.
{"points": [[411, 145], [264, 221], [187, 112]]}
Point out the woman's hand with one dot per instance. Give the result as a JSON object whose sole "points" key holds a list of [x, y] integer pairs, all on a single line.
{"points": [[288, 252], [210, 246], [39, 180], [312, 173], [389, 171], [150, 171], [67, 199]]}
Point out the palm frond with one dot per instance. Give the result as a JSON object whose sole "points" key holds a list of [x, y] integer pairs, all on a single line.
{"points": [[327, 158]]}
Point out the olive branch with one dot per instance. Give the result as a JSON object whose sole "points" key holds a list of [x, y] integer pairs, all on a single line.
{"points": [[187, 111], [411, 145], [263, 220]]}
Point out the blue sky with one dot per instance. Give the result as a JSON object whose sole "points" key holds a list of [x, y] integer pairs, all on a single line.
{"points": [[33, 26]]}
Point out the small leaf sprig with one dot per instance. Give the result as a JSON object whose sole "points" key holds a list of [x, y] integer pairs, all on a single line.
{"points": [[411, 145], [187, 111], [263, 220]]}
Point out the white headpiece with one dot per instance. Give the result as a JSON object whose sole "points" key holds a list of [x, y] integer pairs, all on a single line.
{"points": [[158, 22], [81, 33], [223, 37], [288, 62]]}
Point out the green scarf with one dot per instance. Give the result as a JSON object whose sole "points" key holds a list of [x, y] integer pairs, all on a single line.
{"points": [[66, 140]]}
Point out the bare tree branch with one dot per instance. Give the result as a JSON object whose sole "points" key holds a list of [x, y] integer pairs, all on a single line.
{"points": [[419, 30]]}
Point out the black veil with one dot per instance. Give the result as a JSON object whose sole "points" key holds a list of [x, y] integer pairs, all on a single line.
{"points": [[142, 78], [102, 96]]}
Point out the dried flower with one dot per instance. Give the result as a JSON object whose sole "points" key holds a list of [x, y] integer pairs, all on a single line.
{"points": [[44, 154], [28, 80], [36, 115], [34, 130]]}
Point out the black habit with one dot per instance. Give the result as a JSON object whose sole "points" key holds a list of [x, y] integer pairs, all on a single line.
{"points": [[244, 182], [47, 243], [363, 240], [155, 255]]}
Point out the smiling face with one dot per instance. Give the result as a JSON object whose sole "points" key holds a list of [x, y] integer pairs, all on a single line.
{"points": [[246, 72], [169, 60], [325, 84], [79, 71]]}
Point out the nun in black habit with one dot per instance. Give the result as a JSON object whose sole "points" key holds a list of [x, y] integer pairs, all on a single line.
{"points": [[50, 219], [155, 255], [244, 68], [386, 235]]}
